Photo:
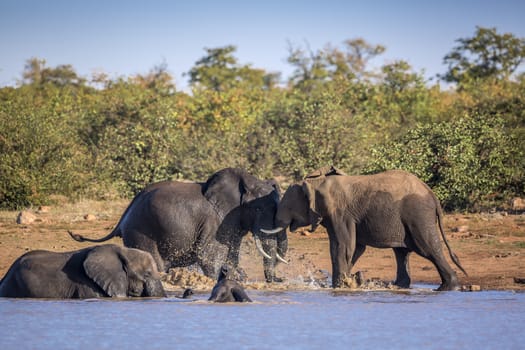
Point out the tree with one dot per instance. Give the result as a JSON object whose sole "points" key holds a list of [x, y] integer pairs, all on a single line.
{"points": [[36, 72], [353, 62], [313, 68], [158, 79], [486, 55], [220, 71]]}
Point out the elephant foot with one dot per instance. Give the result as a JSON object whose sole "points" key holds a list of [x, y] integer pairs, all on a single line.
{"points": [[448, 287], [275, 279], [402, 279], [402, 283]]}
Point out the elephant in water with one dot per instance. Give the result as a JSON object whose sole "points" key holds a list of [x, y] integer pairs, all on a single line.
{"points": [[182, 224], [227, 289], [393, 209], [94, 272]]}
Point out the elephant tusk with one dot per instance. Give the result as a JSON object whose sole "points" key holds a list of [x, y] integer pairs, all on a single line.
{"points": [[280, 258], [260, 248], [272, 231]]}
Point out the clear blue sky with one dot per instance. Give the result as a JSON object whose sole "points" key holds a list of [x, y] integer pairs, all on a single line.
{"points": [[130, 37]]}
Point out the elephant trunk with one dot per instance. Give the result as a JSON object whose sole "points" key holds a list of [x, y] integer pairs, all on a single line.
{"points": [[153, 288]]}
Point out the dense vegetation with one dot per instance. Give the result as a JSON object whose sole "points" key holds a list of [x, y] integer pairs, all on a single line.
{"points": [[62, 134]]}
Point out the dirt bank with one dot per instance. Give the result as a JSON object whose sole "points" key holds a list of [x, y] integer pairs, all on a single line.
{"points": [[491, 247]]}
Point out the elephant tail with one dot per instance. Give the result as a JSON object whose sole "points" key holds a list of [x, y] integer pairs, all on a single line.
{"points": [[453, 256], [79, 238], [117, 232]]}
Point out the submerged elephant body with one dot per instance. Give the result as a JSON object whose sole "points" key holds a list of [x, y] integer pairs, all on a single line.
{"points": [[227, 289], [182, 224], [393, 209], [94, 272]]}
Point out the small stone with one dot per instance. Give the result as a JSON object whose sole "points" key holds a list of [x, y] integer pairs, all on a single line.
{"points": [[471, 288], [90, 217], [461, 229], [25, 218], [517, 203], [43, 209]]}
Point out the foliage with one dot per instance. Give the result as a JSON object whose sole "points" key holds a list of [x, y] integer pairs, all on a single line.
{"points": [[486, 55], [466, 161], [39, 151], [99, 137]]}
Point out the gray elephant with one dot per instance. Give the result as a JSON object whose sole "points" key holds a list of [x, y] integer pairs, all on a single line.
{"points": [[228, 289], [181, 224], [94, 272], [393, 209]]}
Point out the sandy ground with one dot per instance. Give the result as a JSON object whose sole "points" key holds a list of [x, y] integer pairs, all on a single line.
{"points": [[491, 248]]}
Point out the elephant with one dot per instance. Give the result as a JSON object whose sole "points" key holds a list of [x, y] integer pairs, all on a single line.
{"points": [[188, 292], [393, 209], [227, 289], [183, 223], [94, 272]]}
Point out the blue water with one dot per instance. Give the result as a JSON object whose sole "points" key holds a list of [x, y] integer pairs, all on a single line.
{"points": [[418, 319]]}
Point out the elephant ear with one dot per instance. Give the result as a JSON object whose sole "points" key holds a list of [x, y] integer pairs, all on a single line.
{"points": [[104, 266], [224, 189], [313, 212]]}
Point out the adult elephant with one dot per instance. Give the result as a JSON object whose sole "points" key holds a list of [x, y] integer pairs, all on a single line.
{"points": [[94, 272], [393, 209], [181, 223]]}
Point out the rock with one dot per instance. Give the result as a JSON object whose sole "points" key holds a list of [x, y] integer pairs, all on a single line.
{"points": [[471, 288], [90, 217], [43, 209], [25, 218], [517, 203], [519, 280], [461, 229]]}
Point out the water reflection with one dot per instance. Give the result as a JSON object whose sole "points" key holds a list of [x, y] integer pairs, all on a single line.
{"points": [[418, 318]]}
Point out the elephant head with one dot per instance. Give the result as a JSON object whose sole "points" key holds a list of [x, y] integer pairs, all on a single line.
{"points": [[248, 204], [123, 272], [299, 205]]}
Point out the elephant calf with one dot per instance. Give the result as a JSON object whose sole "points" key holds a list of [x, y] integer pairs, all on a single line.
{"points": [[94, 272], [227, 289]]}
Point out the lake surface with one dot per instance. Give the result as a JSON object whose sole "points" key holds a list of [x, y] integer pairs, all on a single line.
{"points": [[316, 319]]}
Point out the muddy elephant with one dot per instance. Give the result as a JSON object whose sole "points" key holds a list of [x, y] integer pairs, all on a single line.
{"points": [[182, 223], [227, 289], [393, 209], [94, 272]]}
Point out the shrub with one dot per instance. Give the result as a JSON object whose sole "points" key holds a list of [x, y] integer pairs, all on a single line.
{"points": [[468, 162]]}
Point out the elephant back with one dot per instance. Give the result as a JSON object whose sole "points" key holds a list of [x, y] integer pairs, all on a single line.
{"points": [[324, 171]]}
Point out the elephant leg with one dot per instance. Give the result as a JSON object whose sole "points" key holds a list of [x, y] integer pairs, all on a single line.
{"points": [[212, 258], [403, 276], [449, 279], [272, 247], [139, 241], [342, 247], [428, 245], [359, 250]]}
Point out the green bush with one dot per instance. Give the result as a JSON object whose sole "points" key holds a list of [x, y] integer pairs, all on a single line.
{"points": [[468, 162], [61, 135], [39, 150]]}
